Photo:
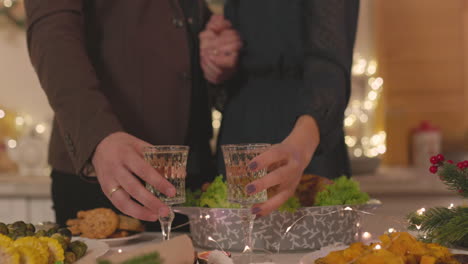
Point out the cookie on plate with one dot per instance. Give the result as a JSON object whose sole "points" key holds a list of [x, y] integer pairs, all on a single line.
{"points": [[98, 223], [130, 224]]}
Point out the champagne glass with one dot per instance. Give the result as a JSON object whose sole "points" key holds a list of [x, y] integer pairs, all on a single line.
{"points": [[238, 175], [216, 6], [171, 163]]}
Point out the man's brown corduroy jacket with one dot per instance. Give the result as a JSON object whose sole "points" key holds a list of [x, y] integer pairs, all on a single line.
{"points": [[111, 65]]}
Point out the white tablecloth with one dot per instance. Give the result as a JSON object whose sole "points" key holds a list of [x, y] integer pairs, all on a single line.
{"points": [[150, 237]]}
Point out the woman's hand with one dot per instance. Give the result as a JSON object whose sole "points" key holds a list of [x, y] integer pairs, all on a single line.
{"points": [[219, 49], [286, 163], [118, 161]]}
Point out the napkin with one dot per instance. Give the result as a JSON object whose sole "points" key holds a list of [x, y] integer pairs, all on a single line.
{"points": [[178, 250]]}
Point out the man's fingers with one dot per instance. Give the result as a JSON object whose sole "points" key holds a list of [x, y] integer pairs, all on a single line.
{"points": [[147, 173], [231, 48], [218, 23], [122, 201], [209, 74], [136, 190], [211, 67], [226, 62], [228, 36]]}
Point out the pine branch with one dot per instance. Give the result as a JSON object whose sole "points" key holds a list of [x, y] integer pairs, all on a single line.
{"points": [[431, 219], [454, 231], [442, 225], [455, 178], [436, 217]]}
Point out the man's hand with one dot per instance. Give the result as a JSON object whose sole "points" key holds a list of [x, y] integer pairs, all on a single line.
{"points": [[219, 49], [118, 161]]}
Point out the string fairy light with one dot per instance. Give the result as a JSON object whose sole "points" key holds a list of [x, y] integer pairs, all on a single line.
{"points": [[210, 238], [421, 211], [360, 116]]}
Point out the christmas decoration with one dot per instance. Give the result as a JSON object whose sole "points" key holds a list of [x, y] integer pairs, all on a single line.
{"points": [[360, 121], [446, 226]]}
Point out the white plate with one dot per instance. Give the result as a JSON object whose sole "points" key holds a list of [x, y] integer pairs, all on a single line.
{"points": [[113, 242], [312, 257], [95, 250]]}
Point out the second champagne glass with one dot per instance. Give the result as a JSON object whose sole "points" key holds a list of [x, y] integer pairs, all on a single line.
{"points": [[170, 162], [238, 175]]}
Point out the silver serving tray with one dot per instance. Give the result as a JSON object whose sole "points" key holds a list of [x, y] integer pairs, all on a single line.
{"points": [[309, 228]]}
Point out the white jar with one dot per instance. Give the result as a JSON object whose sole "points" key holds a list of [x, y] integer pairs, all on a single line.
{"points": [[426, 143]]}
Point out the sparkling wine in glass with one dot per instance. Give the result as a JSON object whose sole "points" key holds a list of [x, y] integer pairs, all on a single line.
{"points": [[171, 163], [238, 175]]}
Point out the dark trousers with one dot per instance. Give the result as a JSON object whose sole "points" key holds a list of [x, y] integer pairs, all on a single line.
{"points": [[71, 194]]}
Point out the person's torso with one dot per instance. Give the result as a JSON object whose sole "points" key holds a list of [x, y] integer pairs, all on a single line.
{"points": [[141, 53], [261, 104], [145, 54]]}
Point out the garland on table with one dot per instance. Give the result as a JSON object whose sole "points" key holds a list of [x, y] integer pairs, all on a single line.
{"points": [[446, 226]]}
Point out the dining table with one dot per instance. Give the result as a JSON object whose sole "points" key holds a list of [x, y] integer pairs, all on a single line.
{"points": [[154, 237]]}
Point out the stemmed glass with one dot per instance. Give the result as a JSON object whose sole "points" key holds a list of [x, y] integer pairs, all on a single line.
{"points": [[171, 163], [236, 159]]}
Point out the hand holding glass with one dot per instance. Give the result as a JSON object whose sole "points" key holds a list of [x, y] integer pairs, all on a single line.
{"points": [[238, 174], [171, 163]]}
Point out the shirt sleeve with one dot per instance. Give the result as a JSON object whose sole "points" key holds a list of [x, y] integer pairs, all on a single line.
{"points": [[56, 46], [329, 35]]}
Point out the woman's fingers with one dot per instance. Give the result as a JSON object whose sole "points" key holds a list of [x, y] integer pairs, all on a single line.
{"points": [[273, 178], [273, 155], [273, 203]]}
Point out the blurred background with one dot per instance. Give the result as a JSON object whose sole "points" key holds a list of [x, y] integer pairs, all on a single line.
{"points": [[409, 96]]}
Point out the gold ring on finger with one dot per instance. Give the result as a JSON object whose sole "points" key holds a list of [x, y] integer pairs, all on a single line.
{"points": [[114, 190]]}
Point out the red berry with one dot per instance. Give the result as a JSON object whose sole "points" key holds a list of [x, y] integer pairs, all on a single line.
{"points": [[440, 157], [460, 165], [450, 161], [465, 164], [434, 160], [433, 169]]}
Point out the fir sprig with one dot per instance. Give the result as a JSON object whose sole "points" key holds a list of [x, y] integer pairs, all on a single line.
{"points": [[446, 226], [442, 225], [455, 178]]}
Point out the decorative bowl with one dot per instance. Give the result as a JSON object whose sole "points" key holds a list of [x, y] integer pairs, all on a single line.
{"points": [[309, 228]]}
